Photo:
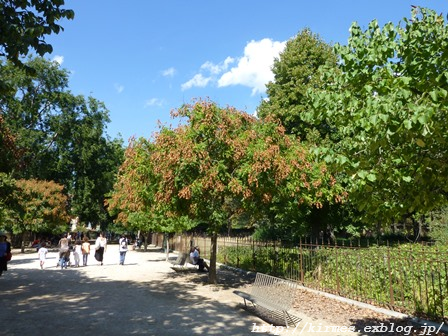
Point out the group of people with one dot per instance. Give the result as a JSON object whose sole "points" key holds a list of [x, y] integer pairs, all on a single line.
{"points": [[82, 249]]}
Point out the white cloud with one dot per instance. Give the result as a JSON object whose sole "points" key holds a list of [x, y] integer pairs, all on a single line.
{"points": [[198, 80], [119, 88], [58, 59], [154, 102], [169, 72], [216, 69], [254, 68]]}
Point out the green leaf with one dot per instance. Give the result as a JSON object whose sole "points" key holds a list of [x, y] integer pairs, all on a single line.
{"points": [[362, 174], [384, 117], [433, 95], [371, 177], [407, 124], [407, 178], [423, 119], [342, 159], [420, 143]]}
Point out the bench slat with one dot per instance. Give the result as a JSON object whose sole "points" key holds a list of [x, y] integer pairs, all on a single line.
{"points": [[271, 289]]}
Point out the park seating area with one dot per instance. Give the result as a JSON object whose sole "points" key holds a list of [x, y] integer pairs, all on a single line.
{"points": [[274, 294], [182, 263]]}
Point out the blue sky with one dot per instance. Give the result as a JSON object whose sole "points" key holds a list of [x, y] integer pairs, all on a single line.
{"points": [[143, 58]]}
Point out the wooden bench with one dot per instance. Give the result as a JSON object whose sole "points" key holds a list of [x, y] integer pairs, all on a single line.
{"points": [[182, 263], [272, 293]]}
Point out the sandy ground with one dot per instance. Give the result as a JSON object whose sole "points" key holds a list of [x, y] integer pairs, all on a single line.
{"points": [[143, 297]]}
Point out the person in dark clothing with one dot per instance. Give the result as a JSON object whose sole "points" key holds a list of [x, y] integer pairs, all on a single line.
{"points": [[5, 252]]}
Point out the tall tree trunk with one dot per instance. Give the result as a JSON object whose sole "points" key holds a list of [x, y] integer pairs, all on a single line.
{"points": [[212, 278], [146, 240], [417, 228], [167, 246], [22, 245]]}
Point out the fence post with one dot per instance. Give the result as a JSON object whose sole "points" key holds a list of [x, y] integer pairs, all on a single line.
{"points": [[338, 285], [302, 277], [224, 250], [254, 257], [391, 290], [237, 253], [274, 264]]}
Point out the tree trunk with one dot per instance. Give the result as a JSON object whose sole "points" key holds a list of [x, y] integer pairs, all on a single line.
{"points": [[22, 246], [145, 241], [167, 246], [212, 278], [417, 229]]}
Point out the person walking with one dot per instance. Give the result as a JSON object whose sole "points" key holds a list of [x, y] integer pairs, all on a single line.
{"points": [[100, 248], [77, 252], [123, 248], [5, 252], [64, 251], [85, 247], [42, 252]]}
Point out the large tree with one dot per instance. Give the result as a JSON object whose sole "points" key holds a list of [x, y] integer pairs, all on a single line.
{"points": [[42, 206], [388, 100], [61, 137], [295, 71], [224, 162]]}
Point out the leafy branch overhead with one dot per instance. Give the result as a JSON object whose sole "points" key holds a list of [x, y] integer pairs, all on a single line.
{"points": [[388, 101], [25, 23]]}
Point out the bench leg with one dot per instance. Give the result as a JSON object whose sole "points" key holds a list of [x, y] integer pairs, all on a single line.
{"points": [[286, 316]]}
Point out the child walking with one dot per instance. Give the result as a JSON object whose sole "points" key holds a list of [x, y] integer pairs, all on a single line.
{"points": [[85, 250], [42, 254], [77, 253]]}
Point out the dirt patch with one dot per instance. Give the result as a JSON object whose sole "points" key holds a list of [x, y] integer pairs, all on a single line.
{"points": [[345, 314]]}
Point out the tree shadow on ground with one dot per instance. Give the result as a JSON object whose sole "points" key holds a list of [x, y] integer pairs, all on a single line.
{"points": [[226, 278], [68, 302]]}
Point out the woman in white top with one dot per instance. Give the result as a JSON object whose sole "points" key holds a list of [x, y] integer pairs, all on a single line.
{"points": [[100, 247]]}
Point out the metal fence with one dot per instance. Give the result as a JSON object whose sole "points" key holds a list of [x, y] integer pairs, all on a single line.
{"points": [[409, 278]]}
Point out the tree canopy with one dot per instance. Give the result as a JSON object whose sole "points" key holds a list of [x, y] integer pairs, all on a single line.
{"points": [[221, 164], [388, 101], [295, 71], [59, 137], [41, 207], [25, 24]]}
